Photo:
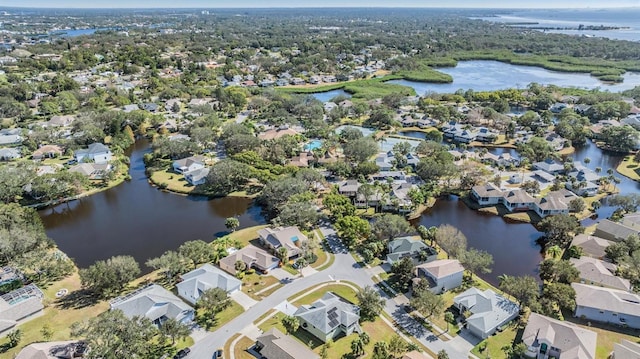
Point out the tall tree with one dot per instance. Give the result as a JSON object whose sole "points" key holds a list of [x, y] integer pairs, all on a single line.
{"points": [[211, 302], [451, 240], [477, 261], [403, 272], [107, 278], [370, 303], [427, 303], [232, 223], [174, 329]]}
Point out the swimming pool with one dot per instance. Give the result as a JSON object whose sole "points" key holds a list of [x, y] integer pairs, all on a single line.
{"points": [[19, 299], [313, 145]]}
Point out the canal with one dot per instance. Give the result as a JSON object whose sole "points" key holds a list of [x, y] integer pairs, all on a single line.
{"points": [[137, 219]]}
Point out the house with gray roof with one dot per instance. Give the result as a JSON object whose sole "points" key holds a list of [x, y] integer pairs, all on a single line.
{"points": [[551, 338], [592, 246], [596, 272], [61, 121], [197, 176], [10, 139], [614, 231], [283, 237], [19, 306], [442, 275], [555, 202], [411, 247], [626, 350], [155, 303], [8, 154], [253, 257], [93, 171], [489, 310], [188, 164], [517, 200], [487, 194], [550, 166], [96, 152], [607, 305], [631, 220], [206, 277], [273, 344], [349, 188], [329, 317]]}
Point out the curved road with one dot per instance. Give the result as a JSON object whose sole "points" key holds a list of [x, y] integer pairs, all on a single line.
{"points": [[343, 268]]}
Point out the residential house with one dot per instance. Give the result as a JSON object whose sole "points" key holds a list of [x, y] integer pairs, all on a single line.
{"points": [[197, 177], [54, 350], [607, 305], [96, 153], [8, 154], [304, 159], [130, 108], [329, 317], [517, 200], [283, 237], [442, 275], [206, 277], [614, 231], [10, 139], [489, 310], [273, 344], [47, 151], [383, 176], [93, 171], [155, 303], [484, 134], [555, 202], [592, 246], [170, 104], [625, 350], [583, 181], [551, 338], [543, 177], [276, 133], [550, 166], [252, 256], [150, 106], [487, 194], [61, 121], [349, 188], [399, 199], [631, 220], [501, 160], [596, 272], [19, 306], [188, 164], [413, 248]]}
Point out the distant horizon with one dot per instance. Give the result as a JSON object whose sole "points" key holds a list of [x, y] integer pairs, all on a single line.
{"points": [[292, 4]]}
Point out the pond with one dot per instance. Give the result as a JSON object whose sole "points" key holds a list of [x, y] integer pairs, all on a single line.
{"points": [[327, 96], [512, 244], [137, 219], [495, 75]]}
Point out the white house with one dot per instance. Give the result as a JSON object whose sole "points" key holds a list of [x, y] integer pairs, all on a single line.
{"points": [[442, 275], [197, 176], [489, 311], [96, 152], [487, 194], [155, 303], [329, 317], [626, 350], [607, 305], [206, 277], [550, 338]]}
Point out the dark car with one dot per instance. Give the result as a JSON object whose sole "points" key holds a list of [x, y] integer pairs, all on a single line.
{"points": [[182, 353], [218, 354]]}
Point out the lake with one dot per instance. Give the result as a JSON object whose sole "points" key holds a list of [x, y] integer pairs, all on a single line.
{"points": [[327, 96], [494, 75], [137, 219]]}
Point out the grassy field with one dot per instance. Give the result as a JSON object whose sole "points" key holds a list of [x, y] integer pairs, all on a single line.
{"points": [[608, 335], [171, 181], [495, 343], [253, 283], [629, 168], [227, 315], [246, 235], [339, 289]]}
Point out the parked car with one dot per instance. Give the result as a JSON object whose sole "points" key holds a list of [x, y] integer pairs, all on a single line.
{"points": [[182, 353], [218, 354]]}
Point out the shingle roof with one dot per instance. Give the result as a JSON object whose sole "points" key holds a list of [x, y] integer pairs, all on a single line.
{"points": [[597, 272], [626, 350], [207, 277], [489, 310], [283, 237], [488, 190], [442, 267], [153, 302], [276, 345], [591, 245], [251, 255], [617, 230], [614, 300], [329, 312], [573, 341]]}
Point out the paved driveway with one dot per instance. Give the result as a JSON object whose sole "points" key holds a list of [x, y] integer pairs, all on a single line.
{"points": [[244, 300]]}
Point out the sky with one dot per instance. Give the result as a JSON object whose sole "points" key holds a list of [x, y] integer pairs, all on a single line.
{"points": [[321, 3]]}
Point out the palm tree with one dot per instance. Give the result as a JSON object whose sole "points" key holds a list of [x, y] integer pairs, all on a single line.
{"points": [[357, 347], [598, 169], [365, 338], [554, 251]]}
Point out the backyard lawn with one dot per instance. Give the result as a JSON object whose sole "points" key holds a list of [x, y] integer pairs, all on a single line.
{"points": [[494, 344], [608, 335], [227, 315], [629, 168], [172, 181], [339, 289], [246, 235], [254, 283]]}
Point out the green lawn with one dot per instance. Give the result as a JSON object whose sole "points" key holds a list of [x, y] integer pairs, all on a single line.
{"points": [[495, 343], [339, 289], [240, 350], [172, 181], [608, 335], [629, 168], [227, 315], [246, 235], [253, 283]]}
